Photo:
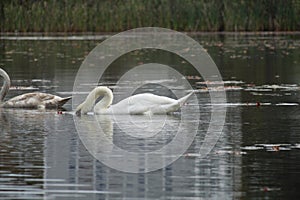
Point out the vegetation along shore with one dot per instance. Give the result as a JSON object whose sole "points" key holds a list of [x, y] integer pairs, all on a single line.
{"points": [[118, 15]]}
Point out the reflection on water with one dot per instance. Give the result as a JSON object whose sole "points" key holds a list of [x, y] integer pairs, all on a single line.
{"points": [[257, 156], [138, 143]]}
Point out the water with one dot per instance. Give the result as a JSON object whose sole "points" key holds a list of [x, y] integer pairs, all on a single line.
{"points": [[256, 157]]}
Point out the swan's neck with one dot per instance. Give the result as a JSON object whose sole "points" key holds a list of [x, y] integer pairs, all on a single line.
{"points": [[105, 102], [6, 85], [102, 105]]}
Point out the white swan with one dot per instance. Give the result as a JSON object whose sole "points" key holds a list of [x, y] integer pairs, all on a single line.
{"points": [[144, 103], [29, 100]]}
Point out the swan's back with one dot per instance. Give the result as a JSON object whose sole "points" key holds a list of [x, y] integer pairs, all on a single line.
{"points": [[151, 99], [144, 103]]}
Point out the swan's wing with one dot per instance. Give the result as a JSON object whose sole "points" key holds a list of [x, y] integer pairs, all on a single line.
{"points": [[143, 103], [52, 101], [28, 100], [151, 99], [62, 101]]}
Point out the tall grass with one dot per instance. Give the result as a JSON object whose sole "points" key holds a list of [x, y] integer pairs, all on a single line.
{"points": [[119, 15]]}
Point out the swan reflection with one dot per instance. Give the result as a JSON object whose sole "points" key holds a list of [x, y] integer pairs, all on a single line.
{"points": [[134, 141], [106, 130]]}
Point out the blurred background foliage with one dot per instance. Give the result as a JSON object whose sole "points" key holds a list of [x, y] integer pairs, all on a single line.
{"points": [[118, 15]]}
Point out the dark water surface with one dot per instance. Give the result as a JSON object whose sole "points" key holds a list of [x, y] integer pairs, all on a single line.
{"points": [[256, 157]]}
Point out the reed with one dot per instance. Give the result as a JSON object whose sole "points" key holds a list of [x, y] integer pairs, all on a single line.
{"points": [[117, 15]]}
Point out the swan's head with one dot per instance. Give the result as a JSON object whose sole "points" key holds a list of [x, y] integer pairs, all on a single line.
{"points": [[83, 108], [78, 110]]}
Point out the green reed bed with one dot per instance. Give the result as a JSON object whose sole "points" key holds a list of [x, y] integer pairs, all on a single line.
{"points": [[118, 15]]}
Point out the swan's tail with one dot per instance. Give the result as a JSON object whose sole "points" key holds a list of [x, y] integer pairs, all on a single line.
{"points": [[62, 101], [185, 98]]}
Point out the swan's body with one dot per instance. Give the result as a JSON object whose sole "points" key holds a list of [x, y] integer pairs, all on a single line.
{"points": [[29, 100], [145, 103]]}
